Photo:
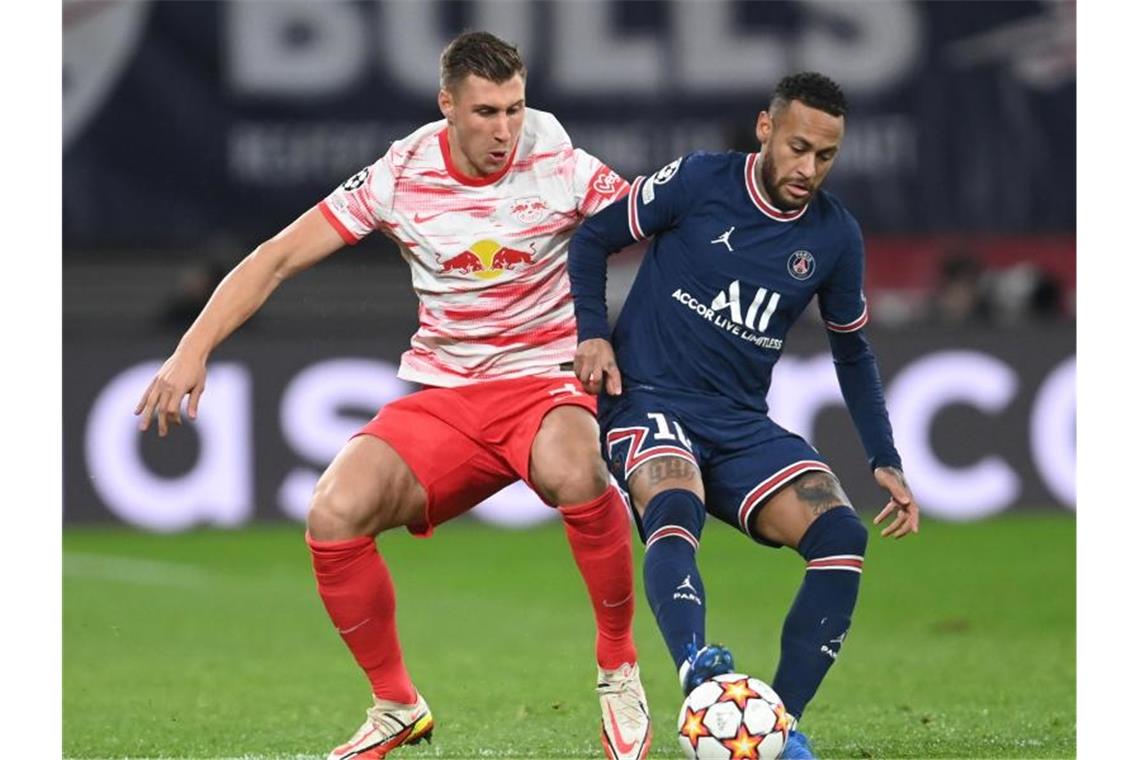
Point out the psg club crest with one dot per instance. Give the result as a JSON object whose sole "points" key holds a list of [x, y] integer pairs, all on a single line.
{"points": [[801, 265]]}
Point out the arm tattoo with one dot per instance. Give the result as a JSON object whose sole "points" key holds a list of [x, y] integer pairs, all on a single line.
{"points": [[898, 474], [820, 491]]}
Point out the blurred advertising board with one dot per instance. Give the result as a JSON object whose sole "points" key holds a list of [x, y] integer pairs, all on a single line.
{"points": [[985, 421], [188, 120]]}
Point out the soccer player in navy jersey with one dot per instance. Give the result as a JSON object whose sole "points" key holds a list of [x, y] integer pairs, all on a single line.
{"points": [[741, 244]]}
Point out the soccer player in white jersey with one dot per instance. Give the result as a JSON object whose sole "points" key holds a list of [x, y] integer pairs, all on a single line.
{"points": [[482, 205]]}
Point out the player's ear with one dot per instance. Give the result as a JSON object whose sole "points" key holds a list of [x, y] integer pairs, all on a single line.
{"points": [[446, 104], [763, 127]]}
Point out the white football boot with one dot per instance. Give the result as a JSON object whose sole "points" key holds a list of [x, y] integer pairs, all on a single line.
{"points": [[389, 725], [626, 728]]}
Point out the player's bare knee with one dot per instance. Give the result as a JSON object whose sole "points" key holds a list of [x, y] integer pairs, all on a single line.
{"points": [[332, 517], [336, 514], [836, 538], [575, 480], [566, 465]]}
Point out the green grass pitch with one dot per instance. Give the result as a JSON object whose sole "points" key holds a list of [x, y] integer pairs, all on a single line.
{"points": [[215, 644]]}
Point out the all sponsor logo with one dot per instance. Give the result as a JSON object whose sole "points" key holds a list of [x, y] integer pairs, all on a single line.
{"points": [[727, 312], [801, 265], [486, 260]]}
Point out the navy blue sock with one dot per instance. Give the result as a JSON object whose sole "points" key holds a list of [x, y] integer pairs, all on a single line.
{"points": [[817, 623], [672, 522]]}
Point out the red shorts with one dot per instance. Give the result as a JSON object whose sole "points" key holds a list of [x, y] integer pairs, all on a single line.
{"points": [[465, 444]]}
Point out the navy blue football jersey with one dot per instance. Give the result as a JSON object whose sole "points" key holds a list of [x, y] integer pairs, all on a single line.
{"points": [[726, 276]]}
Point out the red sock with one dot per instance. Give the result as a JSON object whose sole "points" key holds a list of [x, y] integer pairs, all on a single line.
{"points": [[598, 532], [355, 586]]}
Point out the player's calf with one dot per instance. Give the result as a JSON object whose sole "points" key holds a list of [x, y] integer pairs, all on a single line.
{"points": [[598, 534], [818, 621]]}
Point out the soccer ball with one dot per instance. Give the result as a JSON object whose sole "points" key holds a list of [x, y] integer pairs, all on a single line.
{"points": [[733, 716]]}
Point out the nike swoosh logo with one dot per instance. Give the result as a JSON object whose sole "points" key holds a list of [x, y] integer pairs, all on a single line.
{"points": [[618, 603], [480, 210], [623, 747], [343, 631]]}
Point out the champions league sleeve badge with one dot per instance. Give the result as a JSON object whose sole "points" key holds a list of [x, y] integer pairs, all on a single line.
{"points": [[801, 265], [356, 180]]}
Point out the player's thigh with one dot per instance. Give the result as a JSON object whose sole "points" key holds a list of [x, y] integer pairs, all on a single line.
{"points": [[648, 449], [366, 489], [745, 481], [662, 474], [789, 512], [430, 431], [565, 465]]}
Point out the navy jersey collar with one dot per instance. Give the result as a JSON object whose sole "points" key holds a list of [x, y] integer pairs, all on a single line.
{"points": [[754, 193]]}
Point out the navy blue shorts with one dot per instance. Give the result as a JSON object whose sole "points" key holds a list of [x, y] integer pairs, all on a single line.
{"points": [[743, 456]]}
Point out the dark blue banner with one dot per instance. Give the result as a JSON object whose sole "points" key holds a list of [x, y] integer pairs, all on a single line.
{"points": [[187, 122]]}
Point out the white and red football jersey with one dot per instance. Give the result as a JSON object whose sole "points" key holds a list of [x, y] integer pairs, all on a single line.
{"points": [[488, 254]]}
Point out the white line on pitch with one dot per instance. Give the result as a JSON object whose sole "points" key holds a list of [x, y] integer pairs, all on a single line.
{"points": [[142, 572]]}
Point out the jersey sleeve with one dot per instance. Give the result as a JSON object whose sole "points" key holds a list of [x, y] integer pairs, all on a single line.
{"points": [[841, 301], [358, 206], [655, 202], [844, 310], [595, 184], [653, 205]]}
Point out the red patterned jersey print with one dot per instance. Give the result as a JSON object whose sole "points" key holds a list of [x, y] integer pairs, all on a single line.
{"points": [[488, 256]]}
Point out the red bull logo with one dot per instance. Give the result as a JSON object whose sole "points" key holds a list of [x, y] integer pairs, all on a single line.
{"points": [[465, 263], [529, 210], [487, 259]]}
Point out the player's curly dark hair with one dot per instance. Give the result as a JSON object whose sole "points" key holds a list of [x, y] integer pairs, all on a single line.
{"points": [[482, 54], [812, 89]]}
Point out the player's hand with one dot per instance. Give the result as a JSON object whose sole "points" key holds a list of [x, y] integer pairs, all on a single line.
{"points": [[902, 503], [594, 363], [182, 374]]}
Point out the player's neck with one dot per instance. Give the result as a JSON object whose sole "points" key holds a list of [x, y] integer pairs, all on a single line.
{"points": [[758, 179], [459, 159]]}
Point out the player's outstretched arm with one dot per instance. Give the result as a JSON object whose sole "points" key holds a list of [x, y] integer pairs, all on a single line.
{"points": [[300, 245], [858, 374], [595, 364], [902, 503]]}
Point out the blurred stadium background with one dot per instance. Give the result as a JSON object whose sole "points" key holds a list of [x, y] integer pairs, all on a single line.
{"points": [[193, 130]]}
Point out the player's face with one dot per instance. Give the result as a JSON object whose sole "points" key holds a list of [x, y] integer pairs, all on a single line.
{"points": [[484, 122], [799, 148]]}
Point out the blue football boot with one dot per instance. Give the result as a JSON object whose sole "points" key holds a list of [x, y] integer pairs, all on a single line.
{"points": [[797, 747], [704, 663]]}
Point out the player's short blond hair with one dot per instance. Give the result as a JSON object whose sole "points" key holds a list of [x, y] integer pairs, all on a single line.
{"points": [[482, 54]]}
